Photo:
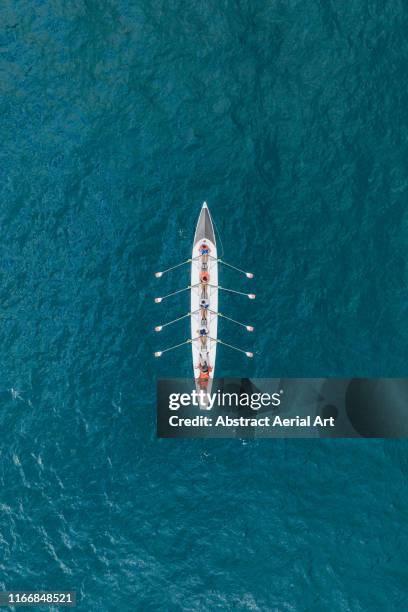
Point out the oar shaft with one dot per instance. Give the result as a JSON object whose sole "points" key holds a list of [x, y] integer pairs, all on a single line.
{"points": [[230, 319], [164, 297], [250, 295], [247, 274], [175, 292], [235, 348], [160, 327], [171, 348], [183, 263], [225, 263], [232, 290]]}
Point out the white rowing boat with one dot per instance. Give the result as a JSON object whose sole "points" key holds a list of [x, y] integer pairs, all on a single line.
{"points": [[204, 295], [204, 313]]}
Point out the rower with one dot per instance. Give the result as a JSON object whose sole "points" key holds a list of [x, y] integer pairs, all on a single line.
{"points": [[204, 303], [205, 370], [203, 363], [204, 249], [203, 331], [204, 276], [203, 377]]}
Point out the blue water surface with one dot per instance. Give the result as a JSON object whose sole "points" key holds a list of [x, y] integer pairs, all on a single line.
{"points": [[117, 119]]}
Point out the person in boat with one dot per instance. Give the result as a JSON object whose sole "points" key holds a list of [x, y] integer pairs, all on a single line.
{"points": [[205, 370], [204, 276], [204, 304], [204, 249], [203, 377], [203, 362], [203, 332], [203, 381]]}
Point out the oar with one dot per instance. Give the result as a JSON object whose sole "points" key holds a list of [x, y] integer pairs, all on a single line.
{"points": [[219, 314], [225, 263], [235, 348], [251, 296], [183, 263], [158, 328], [247, 274], [171, 348], [164, 297]]}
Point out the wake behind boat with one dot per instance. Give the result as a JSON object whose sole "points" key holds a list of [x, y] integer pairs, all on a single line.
{"points": [[204, 314]]}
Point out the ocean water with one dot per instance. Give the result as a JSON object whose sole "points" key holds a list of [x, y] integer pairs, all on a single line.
{"points": [[117, 119]]}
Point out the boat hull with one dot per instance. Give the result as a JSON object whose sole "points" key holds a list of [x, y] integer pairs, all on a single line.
{"points": [[204, 348]]}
